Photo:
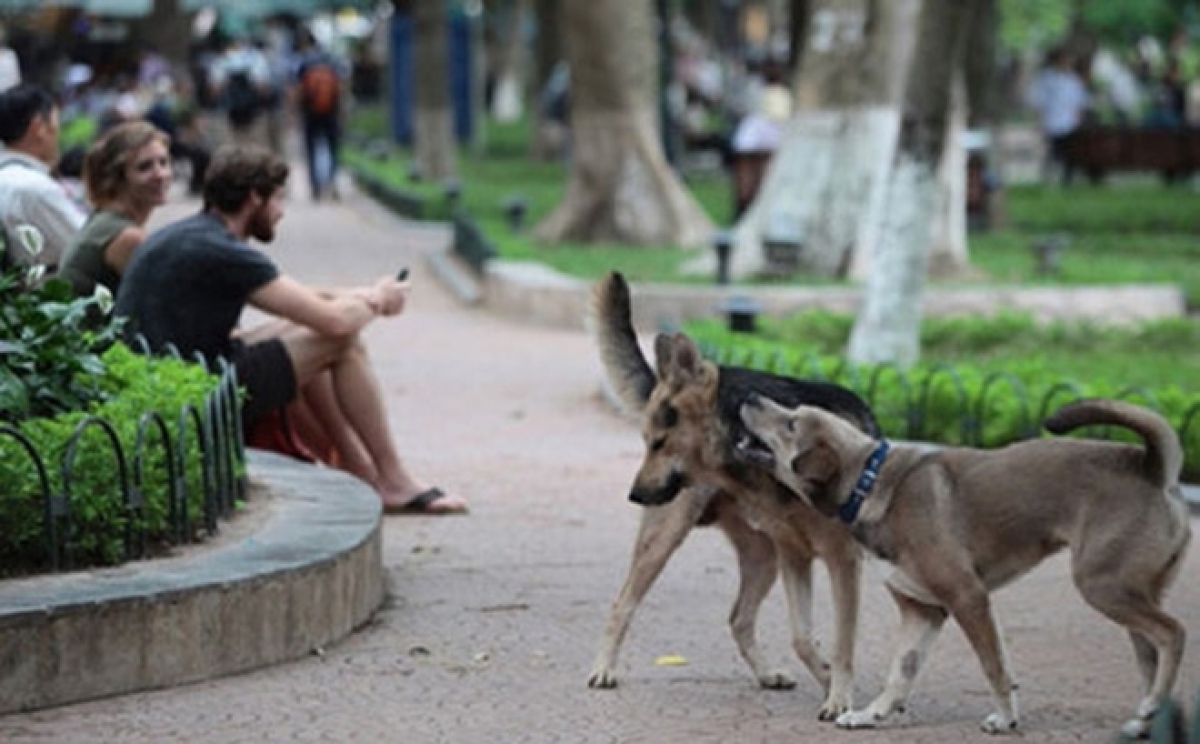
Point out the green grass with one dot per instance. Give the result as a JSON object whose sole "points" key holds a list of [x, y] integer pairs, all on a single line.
{"points": [[1155, 355], [1132, 230]]}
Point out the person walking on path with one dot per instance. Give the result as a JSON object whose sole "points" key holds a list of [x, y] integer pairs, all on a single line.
{"points": [[29, 195], [1060, 98], [318, 97], [127, 173], [189, 282]]}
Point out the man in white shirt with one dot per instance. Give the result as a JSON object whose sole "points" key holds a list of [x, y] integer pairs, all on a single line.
{"points": [[29, 195], [1061, 99]]}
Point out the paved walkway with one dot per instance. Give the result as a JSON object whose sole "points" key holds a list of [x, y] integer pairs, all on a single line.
{"points": [[493, 618]]}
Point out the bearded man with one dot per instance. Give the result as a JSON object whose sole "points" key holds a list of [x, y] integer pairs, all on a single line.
{"points": [[188, 283]]}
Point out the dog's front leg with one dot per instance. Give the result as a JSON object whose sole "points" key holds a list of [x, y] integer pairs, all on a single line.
{"points": [[919, 627], [660, 534], [844, 564], [973, 612]]}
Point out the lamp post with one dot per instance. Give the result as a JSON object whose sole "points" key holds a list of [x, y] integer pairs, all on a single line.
{"points": [[514, 210], [452, 191], [722, 243], [741, 312]]}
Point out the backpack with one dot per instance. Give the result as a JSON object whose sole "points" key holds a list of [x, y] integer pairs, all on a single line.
{"points": [[319, 88], [241, 99]]}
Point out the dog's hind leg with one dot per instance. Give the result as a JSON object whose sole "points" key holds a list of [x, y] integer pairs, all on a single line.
{"points": [[758, 566], [920, 624], [1158, 641], [662, 531]]}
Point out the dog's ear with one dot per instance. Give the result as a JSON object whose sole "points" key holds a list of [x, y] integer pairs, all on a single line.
{"points": [[817, 464], [679, 360], [663, 354]]}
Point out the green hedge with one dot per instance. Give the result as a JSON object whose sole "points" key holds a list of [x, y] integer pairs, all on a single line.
{"points": [[985, 404], [133, 385]]}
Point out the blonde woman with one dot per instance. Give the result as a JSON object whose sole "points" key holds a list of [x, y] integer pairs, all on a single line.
{"points": [[126, 174]]}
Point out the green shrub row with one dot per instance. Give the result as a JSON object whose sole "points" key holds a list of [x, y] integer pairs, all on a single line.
{"points": [[133, 385], [960, 402]]}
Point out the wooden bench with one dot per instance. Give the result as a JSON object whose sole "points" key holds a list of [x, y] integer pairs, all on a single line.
{"points": [[1097, 151]]}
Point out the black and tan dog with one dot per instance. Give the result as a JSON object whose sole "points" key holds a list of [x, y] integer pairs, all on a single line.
{"points": [[691, 477], [958, 523]]}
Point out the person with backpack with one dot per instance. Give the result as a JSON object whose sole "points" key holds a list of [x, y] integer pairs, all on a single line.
{"points": [[318, 99]]}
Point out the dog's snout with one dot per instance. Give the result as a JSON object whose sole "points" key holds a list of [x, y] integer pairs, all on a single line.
{"points": [[659, 493]]}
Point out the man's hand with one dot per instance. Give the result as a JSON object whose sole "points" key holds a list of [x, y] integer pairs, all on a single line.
{"points": [[392, 295]]}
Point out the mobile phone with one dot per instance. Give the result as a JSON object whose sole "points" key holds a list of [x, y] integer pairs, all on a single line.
{"points": [[402, 274]]}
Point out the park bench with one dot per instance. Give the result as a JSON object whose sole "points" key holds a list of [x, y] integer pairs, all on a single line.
{"points": [[1097, 151]]}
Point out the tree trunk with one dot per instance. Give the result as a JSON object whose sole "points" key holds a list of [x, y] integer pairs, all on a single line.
{"points": [[433, 118], [170, 28], [888, 325], [621, 188], [828, 174], [547, 52], [512, 67]]}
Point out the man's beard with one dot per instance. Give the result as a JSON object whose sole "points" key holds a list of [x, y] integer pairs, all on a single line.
{"points": [[262, 228]]}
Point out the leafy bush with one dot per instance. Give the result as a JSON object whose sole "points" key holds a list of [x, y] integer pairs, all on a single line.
{"points": [[60, 365], [49, 346], [132, 385]]}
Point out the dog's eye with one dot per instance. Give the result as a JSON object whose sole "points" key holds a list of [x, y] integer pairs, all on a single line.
{"points": [[658, 444], [791, 426], [666, 417]]}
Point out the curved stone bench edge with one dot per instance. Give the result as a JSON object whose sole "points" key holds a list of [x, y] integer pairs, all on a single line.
{"points": [[305, 578]]}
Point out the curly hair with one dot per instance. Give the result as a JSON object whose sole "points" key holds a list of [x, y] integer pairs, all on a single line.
{"points": [[237, 171], [106, 160]]}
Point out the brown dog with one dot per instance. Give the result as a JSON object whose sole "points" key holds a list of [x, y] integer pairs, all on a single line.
{"points": [[959, 523], [690, 477]]}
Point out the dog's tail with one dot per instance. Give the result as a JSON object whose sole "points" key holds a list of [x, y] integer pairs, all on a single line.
{"points": [[1164, 455], [611, 321]]}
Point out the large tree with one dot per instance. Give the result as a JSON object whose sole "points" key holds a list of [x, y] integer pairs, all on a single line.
{"points": [[828, 173], [434, 148], [887, 328], [620, 188]]}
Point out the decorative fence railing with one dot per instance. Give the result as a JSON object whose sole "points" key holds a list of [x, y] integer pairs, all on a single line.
{"points": [[215, 425], [970, 411]]}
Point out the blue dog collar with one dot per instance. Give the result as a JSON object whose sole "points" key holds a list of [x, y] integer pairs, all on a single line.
{"points": [[848, 511]]}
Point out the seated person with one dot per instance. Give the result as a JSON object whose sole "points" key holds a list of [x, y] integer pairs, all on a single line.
{"points": [[127, 173], [29, 195], [189, 282]]}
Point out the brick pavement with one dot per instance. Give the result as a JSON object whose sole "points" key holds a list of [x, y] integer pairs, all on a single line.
{"points": [[493, 618]]}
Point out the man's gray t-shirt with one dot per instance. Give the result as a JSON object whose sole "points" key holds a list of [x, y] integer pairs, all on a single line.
{"points": [[188, 283]]}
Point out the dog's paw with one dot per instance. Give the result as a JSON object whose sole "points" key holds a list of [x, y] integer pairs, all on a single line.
{"points": [[602, 679], [998, 723], [1136, 728], [776, 680], [858, 719], [834, 706]]}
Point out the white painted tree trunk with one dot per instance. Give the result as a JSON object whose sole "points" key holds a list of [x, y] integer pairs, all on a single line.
{"points": [[826, 182], [948, 255], [891, 306], [888, 325]]}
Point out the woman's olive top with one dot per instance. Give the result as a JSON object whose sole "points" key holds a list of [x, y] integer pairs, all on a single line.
{"points": [[84, 265]]}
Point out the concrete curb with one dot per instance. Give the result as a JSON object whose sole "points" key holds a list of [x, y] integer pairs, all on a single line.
{"points": [[305, 574], [533, 292]]}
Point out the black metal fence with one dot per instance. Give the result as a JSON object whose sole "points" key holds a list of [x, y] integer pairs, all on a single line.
{"points": [[214, 424], [970, 411]]}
